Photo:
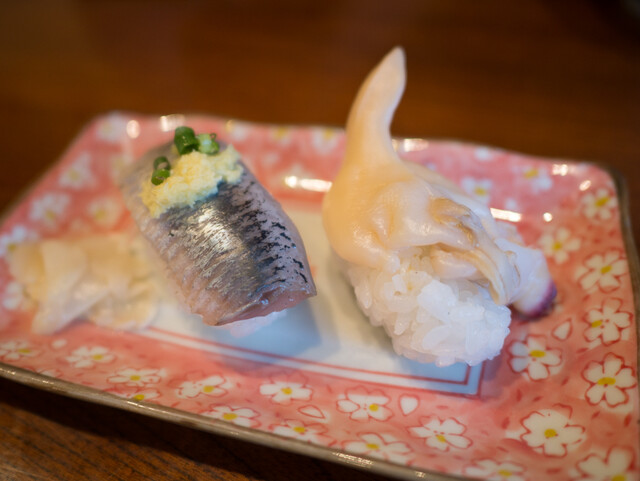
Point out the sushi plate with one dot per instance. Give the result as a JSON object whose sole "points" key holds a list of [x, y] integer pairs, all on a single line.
{"points": [[560, 402]]}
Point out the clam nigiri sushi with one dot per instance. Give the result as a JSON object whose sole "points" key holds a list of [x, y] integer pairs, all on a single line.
{"points": [[428, 263], [226, 243]]}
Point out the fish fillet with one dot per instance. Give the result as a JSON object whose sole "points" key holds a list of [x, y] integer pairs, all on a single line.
{"points": [[232, 256]]}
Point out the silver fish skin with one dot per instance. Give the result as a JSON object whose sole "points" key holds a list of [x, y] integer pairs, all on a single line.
{"points": [[232, 256]]}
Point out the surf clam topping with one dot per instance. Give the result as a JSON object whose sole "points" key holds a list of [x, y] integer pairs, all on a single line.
{"points": [[388, 218]]}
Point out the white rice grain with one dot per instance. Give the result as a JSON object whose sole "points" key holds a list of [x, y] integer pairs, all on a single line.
{"points": [[431, 319]]}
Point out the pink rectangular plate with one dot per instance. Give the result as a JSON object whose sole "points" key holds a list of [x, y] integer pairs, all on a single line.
{"points": [[560, 402]]}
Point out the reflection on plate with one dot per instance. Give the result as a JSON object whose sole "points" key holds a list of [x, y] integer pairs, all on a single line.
{"points": [[561, 402]]}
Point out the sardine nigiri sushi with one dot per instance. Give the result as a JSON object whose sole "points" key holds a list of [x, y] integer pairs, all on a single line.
{"points": [[233, 254], [428, 263]]}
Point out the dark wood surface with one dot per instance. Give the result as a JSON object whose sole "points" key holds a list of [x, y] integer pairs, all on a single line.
{"points": [[559, 79]]}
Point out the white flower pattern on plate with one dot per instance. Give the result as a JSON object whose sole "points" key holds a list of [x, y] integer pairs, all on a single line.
{"points": [[18, 235], [87, 357], [49, 208], [362, 405], [136, 377], [609, 379], [616, 466], [559, 244], [599, 205], [537, 177], [284, 392], [280, 134], [602, 271], [242, 416], [383, 446], [312, 433], [607, 322], [237, 129], [112, 128], [210, 386], [324, 139], [534, 357], [142, 394], [483, 154], [549, 431], [440, 434], [478, 188], [496, 471], [78, 174], [16, 350]]}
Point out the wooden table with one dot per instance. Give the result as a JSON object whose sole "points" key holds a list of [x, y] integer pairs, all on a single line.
{"points": [[558, 79]]}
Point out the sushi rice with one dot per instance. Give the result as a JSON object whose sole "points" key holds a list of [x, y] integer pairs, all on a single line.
{"points": [[430, 319]]}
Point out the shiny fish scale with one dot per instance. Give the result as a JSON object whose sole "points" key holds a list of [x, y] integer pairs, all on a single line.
{"points": [[229, 233]]}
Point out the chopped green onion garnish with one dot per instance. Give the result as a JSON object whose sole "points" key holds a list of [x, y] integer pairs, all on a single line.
{"points": [[160, 161], [207, 143], [159, 175], [161, 170], [185, 140]]}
